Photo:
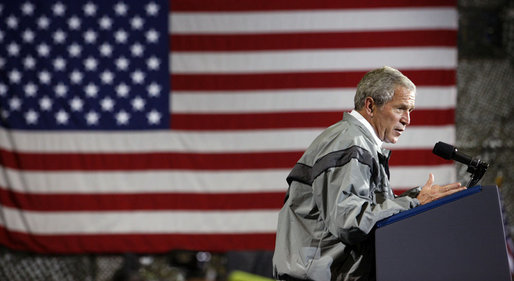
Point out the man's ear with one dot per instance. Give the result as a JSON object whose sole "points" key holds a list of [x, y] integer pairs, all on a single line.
{"points": [[369, 106]]}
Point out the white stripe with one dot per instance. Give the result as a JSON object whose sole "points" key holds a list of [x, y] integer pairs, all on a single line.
{"points": [[436, 97], [139, 222], [201, 142], [412, 176], [424, 137], [157, 141], [303, 100], [311, 21], [313, 60], [182, 181], [138, 182]]}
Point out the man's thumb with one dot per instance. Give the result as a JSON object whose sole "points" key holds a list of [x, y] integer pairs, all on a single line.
{"points": [[430, 180]]}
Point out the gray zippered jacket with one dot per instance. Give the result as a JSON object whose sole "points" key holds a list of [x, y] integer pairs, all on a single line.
{"points": [[337, 191]]}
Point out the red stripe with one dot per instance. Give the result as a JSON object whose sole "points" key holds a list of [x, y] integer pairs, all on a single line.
{"points": [[141, 201], [415, 157], [135, 243], [433, 117], [147, 161], [252, 5], [291, 41], [251, 121], [301, 80], [399, 191], [181, 161]]}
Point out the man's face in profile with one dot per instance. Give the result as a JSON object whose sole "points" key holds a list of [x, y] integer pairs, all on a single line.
{"points": [[391, 119]]}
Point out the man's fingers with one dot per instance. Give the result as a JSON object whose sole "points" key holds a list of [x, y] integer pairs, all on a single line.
{"points": [[452, 186], [455, 190]]}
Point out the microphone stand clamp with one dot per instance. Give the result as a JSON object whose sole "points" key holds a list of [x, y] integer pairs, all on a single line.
{"points": [[477, 168]]}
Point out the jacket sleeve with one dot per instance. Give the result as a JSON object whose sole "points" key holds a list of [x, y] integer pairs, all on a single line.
{"points": [[413, 192], [344, 198]]}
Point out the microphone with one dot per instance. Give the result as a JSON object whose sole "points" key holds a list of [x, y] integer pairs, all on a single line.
{"points": [[476, 167], [450, 152]]}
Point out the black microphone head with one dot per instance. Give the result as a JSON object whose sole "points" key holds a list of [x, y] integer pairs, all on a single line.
{"points": [[444, 150]]}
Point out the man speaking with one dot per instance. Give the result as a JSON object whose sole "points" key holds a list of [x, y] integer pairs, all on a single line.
{"points": [[340, 187]]}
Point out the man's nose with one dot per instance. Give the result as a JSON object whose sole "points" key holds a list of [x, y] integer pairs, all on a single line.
{"points": [[405, 120]]}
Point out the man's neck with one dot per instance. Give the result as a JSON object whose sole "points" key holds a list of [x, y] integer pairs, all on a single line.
{"points": [[367, 125]]}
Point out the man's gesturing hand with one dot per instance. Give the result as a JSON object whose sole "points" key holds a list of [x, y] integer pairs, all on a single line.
{"points": [[430, 191]]}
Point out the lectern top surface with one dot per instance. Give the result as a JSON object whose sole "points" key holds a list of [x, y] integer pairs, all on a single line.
{"points": [[426, 207]]}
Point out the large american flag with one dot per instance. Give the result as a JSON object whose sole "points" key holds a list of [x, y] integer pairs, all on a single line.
{"points": [[146, 126]]}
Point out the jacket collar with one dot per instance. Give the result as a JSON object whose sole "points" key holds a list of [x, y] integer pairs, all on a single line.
{"points": [[367, 126], [367, 130]]}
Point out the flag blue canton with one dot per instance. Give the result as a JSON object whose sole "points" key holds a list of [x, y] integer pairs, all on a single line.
{"points": [[73, 65]]}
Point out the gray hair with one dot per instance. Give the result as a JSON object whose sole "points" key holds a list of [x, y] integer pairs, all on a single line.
{"points": [[380, 85]]}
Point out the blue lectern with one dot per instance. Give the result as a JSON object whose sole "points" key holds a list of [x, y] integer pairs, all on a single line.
{"points": [[459, 237]]}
